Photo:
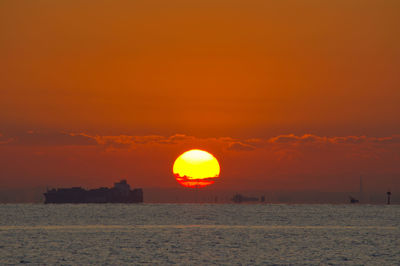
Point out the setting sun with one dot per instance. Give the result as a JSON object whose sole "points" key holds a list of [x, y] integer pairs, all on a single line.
{"points": [[196, 169]]}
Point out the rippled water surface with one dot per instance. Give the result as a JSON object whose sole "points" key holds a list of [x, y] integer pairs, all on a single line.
{"points": [[199, 234]]}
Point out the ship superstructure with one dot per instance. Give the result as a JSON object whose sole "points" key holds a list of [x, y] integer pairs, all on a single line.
{"points": [[120, 193]]}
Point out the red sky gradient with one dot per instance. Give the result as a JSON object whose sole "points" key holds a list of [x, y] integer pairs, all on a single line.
{"points": [[286, 94]]}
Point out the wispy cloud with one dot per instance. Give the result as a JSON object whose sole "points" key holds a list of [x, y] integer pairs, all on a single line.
{"points": [[115, 142], [37, 138], [5, 140], [309, 138], [239, 146], [288, 156], [291, 138]]}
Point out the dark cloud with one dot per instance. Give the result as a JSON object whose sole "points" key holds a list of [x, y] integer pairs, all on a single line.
{"points": [[349, 139], [291, 138], [179, 138], [34, 138], [5, 140], [309, 138], [112, 142], [256, 142], [284, 139], [239, 146], [148, 139], [389, 140], [127, 141], [38, 138]]}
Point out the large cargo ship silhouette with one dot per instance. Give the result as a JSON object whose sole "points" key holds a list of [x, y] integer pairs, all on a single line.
{"points": [[120, 193]]}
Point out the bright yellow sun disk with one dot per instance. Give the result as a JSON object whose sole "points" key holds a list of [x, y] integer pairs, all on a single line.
{"points": [[196, 164]]}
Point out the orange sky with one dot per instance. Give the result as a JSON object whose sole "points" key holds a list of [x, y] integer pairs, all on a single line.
{"points": [[230, 76]]}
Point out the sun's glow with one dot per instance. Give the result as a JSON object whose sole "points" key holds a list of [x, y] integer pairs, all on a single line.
{"points": [[196, 168]]}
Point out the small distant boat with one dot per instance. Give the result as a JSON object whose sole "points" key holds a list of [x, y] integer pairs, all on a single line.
{"points": [[353, 200], [238, 198]]}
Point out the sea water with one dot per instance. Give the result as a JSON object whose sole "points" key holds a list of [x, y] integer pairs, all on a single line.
{"points": [[199, 234]]}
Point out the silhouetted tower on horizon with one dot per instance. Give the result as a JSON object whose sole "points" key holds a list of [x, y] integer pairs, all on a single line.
{"points": [[388, 197]]}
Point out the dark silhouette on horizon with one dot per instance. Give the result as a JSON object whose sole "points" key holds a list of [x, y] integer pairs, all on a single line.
{"points": [[353, 200], [238, 198], [388, 197], [120, 193]]}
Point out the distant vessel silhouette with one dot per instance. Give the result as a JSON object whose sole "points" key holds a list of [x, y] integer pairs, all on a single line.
{"points": [[353, 200], [120, 193], [238, 198]]}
